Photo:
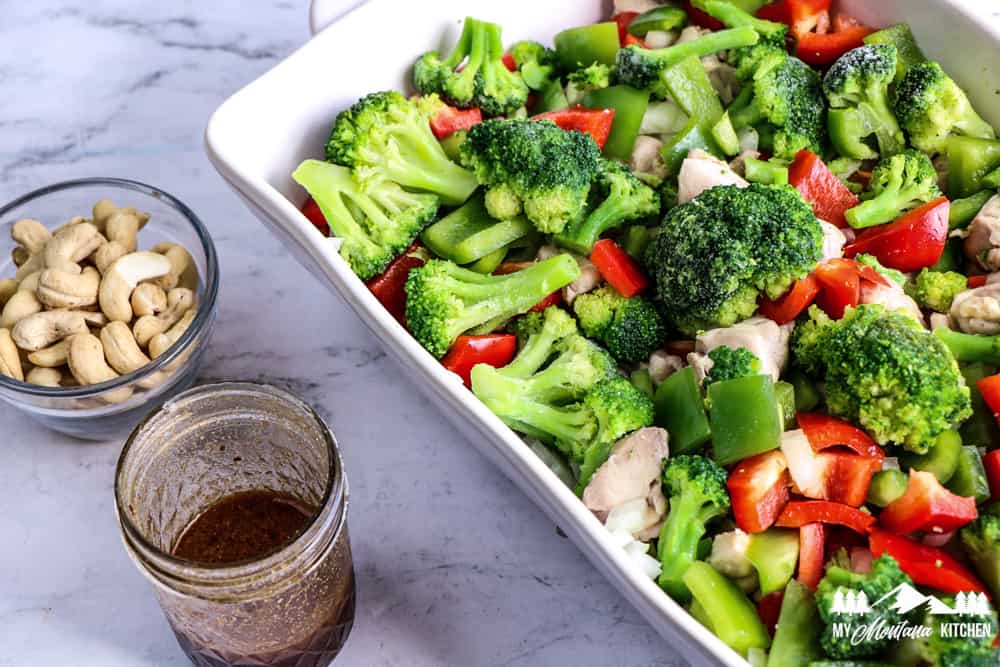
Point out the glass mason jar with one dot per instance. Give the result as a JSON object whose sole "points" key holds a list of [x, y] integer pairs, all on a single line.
{"points": [[294, 606]]}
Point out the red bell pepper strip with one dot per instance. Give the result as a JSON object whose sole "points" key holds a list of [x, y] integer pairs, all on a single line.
{"points": [[926, 565], [800, 512], [801, 16], [449, 120], [989, 388], [992, 464], [824, 50], [494, 349], [911, 242], [623, 19], [508, 62], [551, 300], [976, 281], [618, 268], [824, 431], [388, 287], [311, 210], [786, 308], [758, 488], [819, 186], [700, 18], [840, 286], [928, 506], [595, 122], [812, 553], [769, 609], [847, 476], [631, 40]]}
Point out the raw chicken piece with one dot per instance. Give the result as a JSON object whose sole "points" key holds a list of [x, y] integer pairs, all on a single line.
{"points": [[662, 365], [833, 240], [982, 242], [701, 171], [977, 310], [646, 157], [892, 298]]}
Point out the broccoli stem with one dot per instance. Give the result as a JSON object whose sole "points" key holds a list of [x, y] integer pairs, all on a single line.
{"points": [[733, 617], [732, 17], [970, 347], [883, 207], [678, 543], [581, 238], [422, 164], [796, 637], [713, 42], [565, 425]]}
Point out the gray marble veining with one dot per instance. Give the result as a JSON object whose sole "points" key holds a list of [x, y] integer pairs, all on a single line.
{"points": [[455, 566]]}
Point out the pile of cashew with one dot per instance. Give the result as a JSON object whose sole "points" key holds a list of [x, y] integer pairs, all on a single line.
{"points": [[85, 305]]}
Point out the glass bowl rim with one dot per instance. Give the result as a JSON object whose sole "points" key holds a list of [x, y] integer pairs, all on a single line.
{"points": [[206, 307]]}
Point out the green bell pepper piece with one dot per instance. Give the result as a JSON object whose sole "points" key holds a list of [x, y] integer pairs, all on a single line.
{"points": [[692, 136], [784, 392], [952, 257], [969, 160], [700, 615], [680, 409], [725, 136], [886, 486], [658, 18], [796, 637], [981, 429], [940, 460], [807, 397], [469, 233], [969, 479], [899, 35], [580, 47], [992, 179], [642, 381], [727, 609], [453, 143], [630, 105], [488, 263], [963, 210], [635, 240], [552, 98], [744, 418], [845, 127], [774, 554], [767, 173], [690, 87]]}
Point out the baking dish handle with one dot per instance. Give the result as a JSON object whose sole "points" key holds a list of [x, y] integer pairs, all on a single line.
{"points": [[324, 12]]}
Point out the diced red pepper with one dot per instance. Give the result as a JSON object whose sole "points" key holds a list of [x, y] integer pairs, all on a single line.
{"points": [[801, 16], [700, 18], [494, 349], [976, 281], [551, 300], [618, 268], [786, 308], [595, 122], [823, 50], [819, 186], [989, 388], [769, 609], [812, 553], [833, 474], [824, 431], [312, 212], [449, 120], [927, 566], [388, 287], [927, 506], [632, 40], [911, 242], [840, 285], [992, 464], [623, 19], [508, 62], [800, 512], [758, 487]]}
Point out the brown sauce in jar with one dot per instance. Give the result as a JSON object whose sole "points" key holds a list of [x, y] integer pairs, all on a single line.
{"points": [[243, 526]]}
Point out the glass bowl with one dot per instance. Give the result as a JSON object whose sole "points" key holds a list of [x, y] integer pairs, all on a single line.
{"points": [[110, 410]]}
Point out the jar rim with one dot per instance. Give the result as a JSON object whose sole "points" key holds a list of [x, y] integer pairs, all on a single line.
{"points": [[162, 565]]}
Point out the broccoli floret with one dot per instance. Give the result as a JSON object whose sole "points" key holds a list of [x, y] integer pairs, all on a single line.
{"points": [[552, 366], [631, 328], [930, 106], [970, 656], [898, 183], [537, 64], [696, 487], [884, 577], [592, 77], [583, 431], [784, 98], [616, 196], [981, 542], [772, 35], [384, 136], [729, 364], [885, 371], [935, 290], [857, 87], [944, 649], [444, 300], [532, 165], [643, 68], [473, 74], [895, 276], [714, 255], [376, 224]]}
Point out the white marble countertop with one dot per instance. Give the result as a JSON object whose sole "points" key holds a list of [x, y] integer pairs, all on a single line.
{"points": [[455, 566]]}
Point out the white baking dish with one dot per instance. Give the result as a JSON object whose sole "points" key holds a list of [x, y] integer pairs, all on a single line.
{"points": [[258, 136]]}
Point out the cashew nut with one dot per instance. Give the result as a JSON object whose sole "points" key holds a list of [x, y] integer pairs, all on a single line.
{"points": [[159, 343], [106, 255], [179, 301], [94, 318], [43, 329], [59, 289], [52, 356], [45, 377], [105, 208], [19, 255], [31, 234], [122, 277], [120, 348], [33, 264], [121, 229], [21, 305], [71, 245], [8, 288], [180, 260], [148, 299], [86, 363], [10, 358]]}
